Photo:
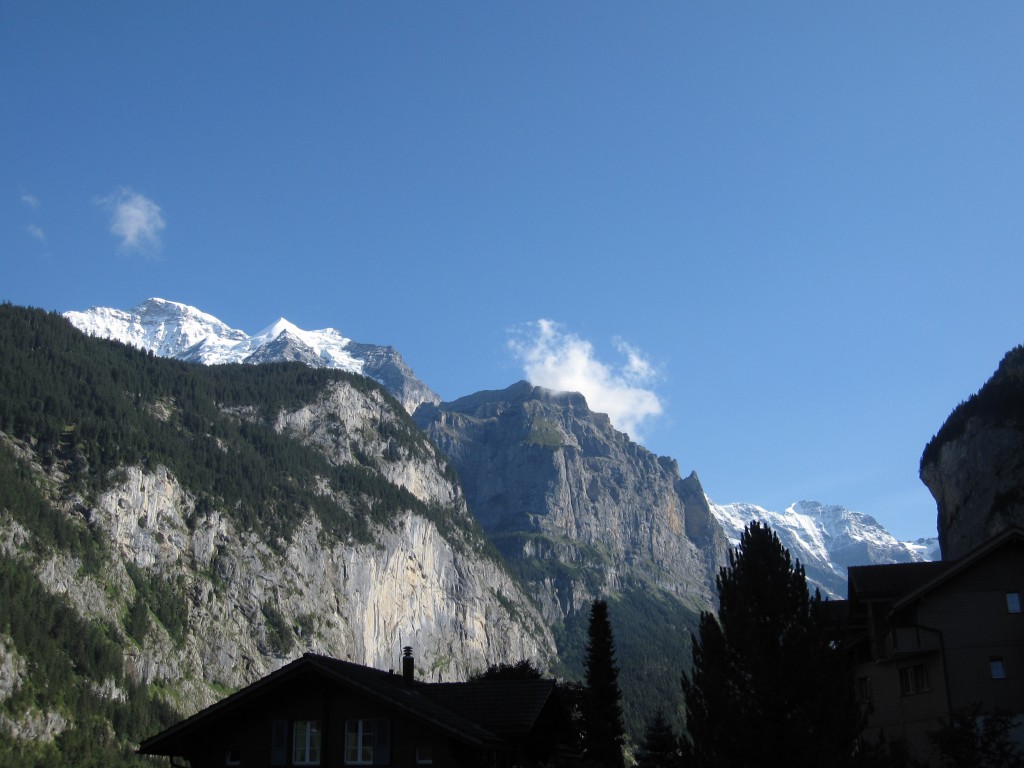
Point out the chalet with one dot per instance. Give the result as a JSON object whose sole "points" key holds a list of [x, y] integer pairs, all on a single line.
{"points": [[931, 639], [323, 711]]}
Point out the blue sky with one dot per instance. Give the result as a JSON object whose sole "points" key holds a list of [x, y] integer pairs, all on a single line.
{"points": [[779, 242]]}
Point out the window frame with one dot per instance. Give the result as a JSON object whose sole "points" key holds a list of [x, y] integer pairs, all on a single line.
{"points": [[997, 668], [914, 679], [367, 741], [1013, 602], [865, 695], [310, 731], [279, 742]]}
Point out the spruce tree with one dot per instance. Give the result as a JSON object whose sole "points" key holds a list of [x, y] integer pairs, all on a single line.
{"points": [[660, 748], [768, 685], [603, 731]]}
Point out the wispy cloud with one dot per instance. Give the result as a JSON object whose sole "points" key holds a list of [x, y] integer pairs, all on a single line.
{"points": [[557, 359], [37, 233], [135, 219], [30, 200]]}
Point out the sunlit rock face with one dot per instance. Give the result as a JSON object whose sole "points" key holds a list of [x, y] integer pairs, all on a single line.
{"points": [[583, 509], [358, 602]]}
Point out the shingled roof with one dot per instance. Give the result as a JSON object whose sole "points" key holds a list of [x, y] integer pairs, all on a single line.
{"points": [[504, 707], [903, 582], [881, 582]]}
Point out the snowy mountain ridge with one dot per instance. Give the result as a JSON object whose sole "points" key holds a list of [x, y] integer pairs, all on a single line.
{"points": [[170, 329], [826, 539], [176, 330]]}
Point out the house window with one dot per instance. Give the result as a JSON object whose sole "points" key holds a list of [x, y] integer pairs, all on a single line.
{"points": [[367, 742], [306, 742], [995, 665], [279, 742], [424, 754], [1013, 602], [864, 690], [914, 680]]}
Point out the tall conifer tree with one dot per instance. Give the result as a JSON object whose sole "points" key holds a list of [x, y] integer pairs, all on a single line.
{"points": [[603, 732], [660, 748], [768, 685]]}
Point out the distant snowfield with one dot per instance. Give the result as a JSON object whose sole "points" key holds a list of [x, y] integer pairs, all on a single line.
{"points": [[170, 329], [826, 539]]}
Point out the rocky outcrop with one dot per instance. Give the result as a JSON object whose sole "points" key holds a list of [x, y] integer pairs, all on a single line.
{"points": [[581, 512], [362, 603], [348, 425], [385, 365], [554, 484], [974, 466], [32, 724], [243, 605]]}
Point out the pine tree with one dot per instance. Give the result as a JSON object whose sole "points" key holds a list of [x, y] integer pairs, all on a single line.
{"points": [[603, 731], [767, 683], [661, 745]]}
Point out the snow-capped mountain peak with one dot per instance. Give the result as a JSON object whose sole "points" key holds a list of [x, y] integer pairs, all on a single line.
{"points": [[170, 329], [165, 327], [826, 539]]}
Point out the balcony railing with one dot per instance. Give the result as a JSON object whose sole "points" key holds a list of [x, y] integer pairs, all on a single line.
{"points": [[905, 641]]}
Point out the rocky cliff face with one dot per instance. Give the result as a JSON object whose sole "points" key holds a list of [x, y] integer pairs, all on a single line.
{"points": [[974, 466], [225, 602], [357, 602], [553, 482], [581, 512]]}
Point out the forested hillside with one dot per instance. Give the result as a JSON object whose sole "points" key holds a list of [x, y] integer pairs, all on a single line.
{"points": [[93, 406], [170, 531]]}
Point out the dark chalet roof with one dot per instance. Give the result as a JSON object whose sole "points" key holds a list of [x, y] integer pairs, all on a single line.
{"points": [[481, 713], [903, 583], [505, 707], [889, 582]]}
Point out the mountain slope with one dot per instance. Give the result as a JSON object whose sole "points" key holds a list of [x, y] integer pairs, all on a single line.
{"points": [[580, 511], [170, 329], [170, 531], [826, 539]]}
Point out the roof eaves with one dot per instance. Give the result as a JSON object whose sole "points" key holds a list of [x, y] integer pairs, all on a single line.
{"points": [[1016, 532], [229, 702]]}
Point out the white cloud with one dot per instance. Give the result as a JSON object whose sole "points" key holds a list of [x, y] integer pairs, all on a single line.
{"points": [[559, 360], [135, 219], [30, 200], [37, 233]]}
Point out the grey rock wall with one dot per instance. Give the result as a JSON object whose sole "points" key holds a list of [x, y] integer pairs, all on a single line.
{"points": [[552, 482]]}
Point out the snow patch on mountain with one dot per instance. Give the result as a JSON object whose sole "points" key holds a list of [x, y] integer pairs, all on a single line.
{"points": [[826, 539], [170, 329]]}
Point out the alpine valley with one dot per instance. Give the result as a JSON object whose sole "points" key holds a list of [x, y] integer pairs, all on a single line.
{"points": [[174, 526]]}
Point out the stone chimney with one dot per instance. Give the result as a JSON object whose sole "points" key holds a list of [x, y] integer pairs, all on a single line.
{"points": [[408, 665]]}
